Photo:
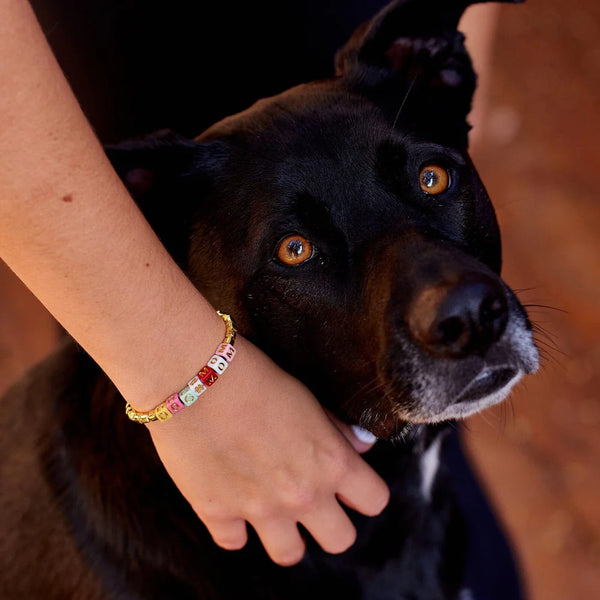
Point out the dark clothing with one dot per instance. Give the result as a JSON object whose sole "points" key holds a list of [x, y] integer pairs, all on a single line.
{"points": [[138, 66]]}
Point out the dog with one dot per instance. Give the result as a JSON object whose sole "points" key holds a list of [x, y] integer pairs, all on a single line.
{"points": [[344, 226]]}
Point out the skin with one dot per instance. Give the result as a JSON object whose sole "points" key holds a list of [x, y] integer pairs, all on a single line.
{"points": [[262, 450]]}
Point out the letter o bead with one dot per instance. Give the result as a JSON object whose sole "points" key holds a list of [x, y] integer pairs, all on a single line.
{"points": [[217, 363]]}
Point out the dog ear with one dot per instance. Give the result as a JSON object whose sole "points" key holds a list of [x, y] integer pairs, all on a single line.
{"points": [[167, 175], [411, 59]]}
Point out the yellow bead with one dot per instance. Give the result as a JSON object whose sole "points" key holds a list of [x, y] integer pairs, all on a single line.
{"points": [[162, 412]]}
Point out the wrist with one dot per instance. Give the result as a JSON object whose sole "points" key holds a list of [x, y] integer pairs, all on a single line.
{"points": [[199, 384]]}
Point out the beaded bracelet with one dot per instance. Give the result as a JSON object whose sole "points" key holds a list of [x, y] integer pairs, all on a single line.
{"points": [[207, 375]]}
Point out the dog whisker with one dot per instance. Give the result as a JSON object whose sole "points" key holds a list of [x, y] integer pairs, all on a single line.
{"points": [[371, 386], [546, 343], [410, 88], [486, 416], [546, 307], [548, 349], [538, 328]]}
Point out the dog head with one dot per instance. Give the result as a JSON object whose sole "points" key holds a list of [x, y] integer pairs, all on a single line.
{"points": [[345, 227]]}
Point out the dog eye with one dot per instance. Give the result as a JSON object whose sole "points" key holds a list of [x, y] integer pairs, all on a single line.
{"points": [[434, 179], [294, 250]]}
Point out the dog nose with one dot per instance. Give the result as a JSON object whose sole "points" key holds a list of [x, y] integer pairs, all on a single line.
{"points": [[458, 320]]}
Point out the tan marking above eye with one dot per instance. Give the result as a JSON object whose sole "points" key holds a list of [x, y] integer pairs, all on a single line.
{"points": [[294, 250], [434, 179]]}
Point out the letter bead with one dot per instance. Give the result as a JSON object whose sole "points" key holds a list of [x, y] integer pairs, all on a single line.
{"points": [[196, 385], [218, 364], [227, 351], [162, 412], [174, 404], [188, 396], [207, 375]]}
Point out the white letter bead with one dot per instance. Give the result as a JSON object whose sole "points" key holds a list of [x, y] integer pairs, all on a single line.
{"points": [[196, 385], [217, 363]]}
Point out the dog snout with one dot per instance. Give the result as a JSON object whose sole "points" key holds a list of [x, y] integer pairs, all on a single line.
{"points": [[460, 319]]}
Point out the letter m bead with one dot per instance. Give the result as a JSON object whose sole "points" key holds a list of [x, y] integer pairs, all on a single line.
{"points": [[207, 375], [227, 351]]}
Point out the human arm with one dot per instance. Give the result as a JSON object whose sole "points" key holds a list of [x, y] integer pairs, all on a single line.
{"points": [[260, 449]]}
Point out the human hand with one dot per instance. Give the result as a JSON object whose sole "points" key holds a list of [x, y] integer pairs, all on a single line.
{"points": [[257, 447]]}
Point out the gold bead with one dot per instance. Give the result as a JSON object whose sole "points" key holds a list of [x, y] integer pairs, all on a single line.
{"points": [[162, 412]]}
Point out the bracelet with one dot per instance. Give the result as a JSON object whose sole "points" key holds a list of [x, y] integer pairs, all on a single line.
{"points": [[207, 375]]}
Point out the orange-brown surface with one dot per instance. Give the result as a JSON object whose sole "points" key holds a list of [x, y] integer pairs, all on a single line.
{"points": [[539, 156], [539, 454]]}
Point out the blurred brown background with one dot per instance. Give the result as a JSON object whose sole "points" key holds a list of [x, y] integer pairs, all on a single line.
{"points": [[538, 153], [539, 156]]}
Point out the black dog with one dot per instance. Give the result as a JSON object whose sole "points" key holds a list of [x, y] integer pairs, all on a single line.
{"points": [[344, 226]]}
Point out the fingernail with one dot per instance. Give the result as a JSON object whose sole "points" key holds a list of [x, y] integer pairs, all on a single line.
{"points": [[363, 435]]}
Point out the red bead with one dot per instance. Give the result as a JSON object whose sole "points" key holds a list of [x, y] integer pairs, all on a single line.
{"points": [[207, 375]]}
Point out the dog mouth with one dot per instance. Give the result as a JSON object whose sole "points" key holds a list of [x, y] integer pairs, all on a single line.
{"points": [[490, 385], [488, 381]]}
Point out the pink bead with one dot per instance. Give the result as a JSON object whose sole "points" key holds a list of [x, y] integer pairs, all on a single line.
{"points": [[227, 351], [174, 404]]}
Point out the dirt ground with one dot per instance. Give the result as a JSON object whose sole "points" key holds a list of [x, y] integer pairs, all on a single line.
{"points": [[537, 454]]}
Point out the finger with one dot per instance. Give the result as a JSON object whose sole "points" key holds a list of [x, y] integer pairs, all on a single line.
{"points": [[282, 541], [361, 439], [229, 535], [332, 529], [363, 490]]}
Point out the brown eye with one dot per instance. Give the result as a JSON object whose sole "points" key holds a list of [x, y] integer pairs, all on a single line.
{"points": [[294, 250], [434, 179]]}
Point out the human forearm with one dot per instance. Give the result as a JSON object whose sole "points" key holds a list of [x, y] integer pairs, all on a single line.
{"points": [[69, 229]]}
